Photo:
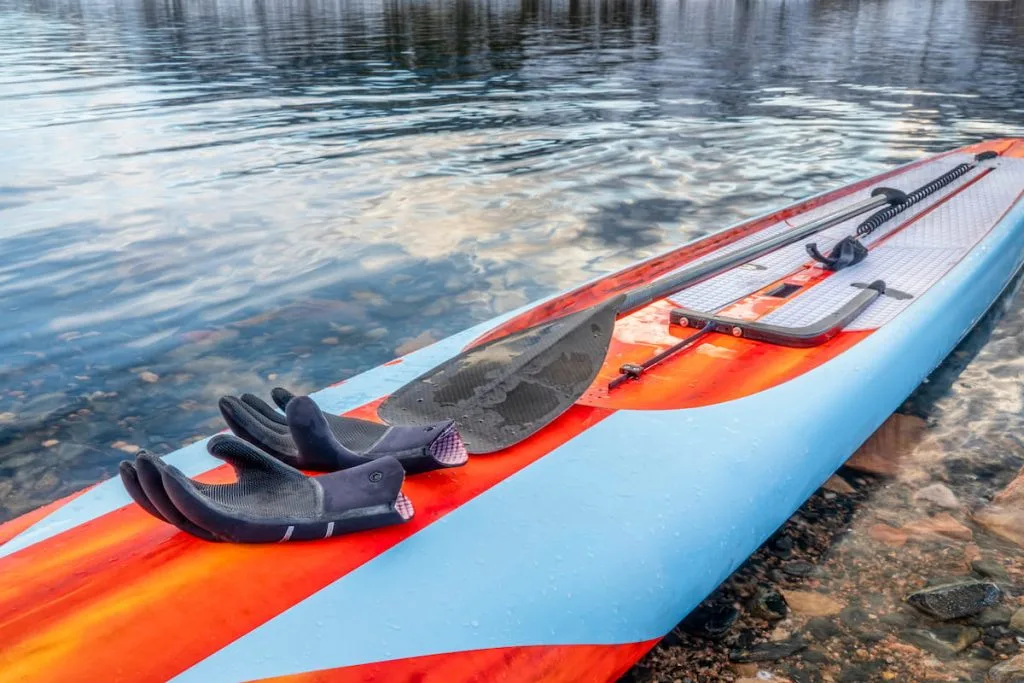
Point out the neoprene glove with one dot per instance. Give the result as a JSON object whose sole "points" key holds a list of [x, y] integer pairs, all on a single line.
{"points": [[270, 502], [309, 439]]}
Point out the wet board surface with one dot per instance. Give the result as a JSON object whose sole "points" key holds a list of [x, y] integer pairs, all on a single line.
{"points": [[567, 556]]}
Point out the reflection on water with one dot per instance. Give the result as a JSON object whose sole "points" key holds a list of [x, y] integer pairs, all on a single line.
{"points": [[207, 196]]}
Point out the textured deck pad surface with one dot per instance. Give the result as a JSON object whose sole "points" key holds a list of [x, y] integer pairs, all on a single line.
{"points": [[713, 294], [918, 256]]}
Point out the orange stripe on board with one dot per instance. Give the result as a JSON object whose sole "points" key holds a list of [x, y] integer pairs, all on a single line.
{"points": [[548, 663], [125, 596]]}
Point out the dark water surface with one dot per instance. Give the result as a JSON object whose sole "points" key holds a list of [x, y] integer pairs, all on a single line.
{"points": [[200, 197]]}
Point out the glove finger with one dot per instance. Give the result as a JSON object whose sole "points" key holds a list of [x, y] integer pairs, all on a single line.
{"points": [[273, 418], [246, 459], [354, 434], [130, 479], [318, 448], [281, 397], [247, 425], [253, 410], [148, 468]]}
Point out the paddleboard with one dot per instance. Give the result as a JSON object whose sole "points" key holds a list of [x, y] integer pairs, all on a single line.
{"points": [[567, 556]]}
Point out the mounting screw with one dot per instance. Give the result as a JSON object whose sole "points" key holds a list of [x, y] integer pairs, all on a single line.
{"points": [[685, 322], [376, 476], [737, 331]]}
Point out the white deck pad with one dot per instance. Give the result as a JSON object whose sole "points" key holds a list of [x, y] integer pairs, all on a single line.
{"points": [[911, 261], [721, 290], [915, 258]]}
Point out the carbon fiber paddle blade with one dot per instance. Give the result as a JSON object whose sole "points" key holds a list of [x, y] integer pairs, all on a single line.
{"points": [[501, 392]]}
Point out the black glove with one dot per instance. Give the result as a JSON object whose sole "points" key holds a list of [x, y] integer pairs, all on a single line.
{"points": [[310, 439], [270, 501], [144, 484]]}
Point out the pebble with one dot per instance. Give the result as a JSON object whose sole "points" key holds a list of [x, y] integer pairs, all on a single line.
{"points": [[945, 641], [782, 547], [822, 628], [767, 652], [853, 616], [798, 568], [837, 484], [147, 376], [870, 636], [46, 482], [710, 621], [897, 619], [940, 495], [860, 672], [748, 669], [126, 447], [416, 343], [1004, 517], [888, 535], [881, 453], [990, 569], [1017, 620], [768, 604], [809, 603], [1010, 671], [993, 616], [955, 600], [7, 418], [50, 443], [942, 525]]}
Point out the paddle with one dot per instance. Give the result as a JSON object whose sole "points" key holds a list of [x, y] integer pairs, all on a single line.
{"points": [[505, 390]]}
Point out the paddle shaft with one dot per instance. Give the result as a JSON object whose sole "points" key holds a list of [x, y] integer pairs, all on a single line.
{"points": [[670, 284]]}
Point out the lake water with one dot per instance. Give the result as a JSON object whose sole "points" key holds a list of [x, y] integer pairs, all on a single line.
{"points": [[200, 197]]}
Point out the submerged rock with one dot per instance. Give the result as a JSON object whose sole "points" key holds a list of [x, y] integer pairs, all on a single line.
{"points": [[767, 652], [881, 453], [990, 569], [812, 604], [888, 535], [837, 484], [1010, 671], [768, 604], [1017, 621], [798, 568], [993, 616], [955, 600], [710, 621], [782, 547], [1004, 516], [822, 628], [942, 525], [944, 641], [938, 494]]}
